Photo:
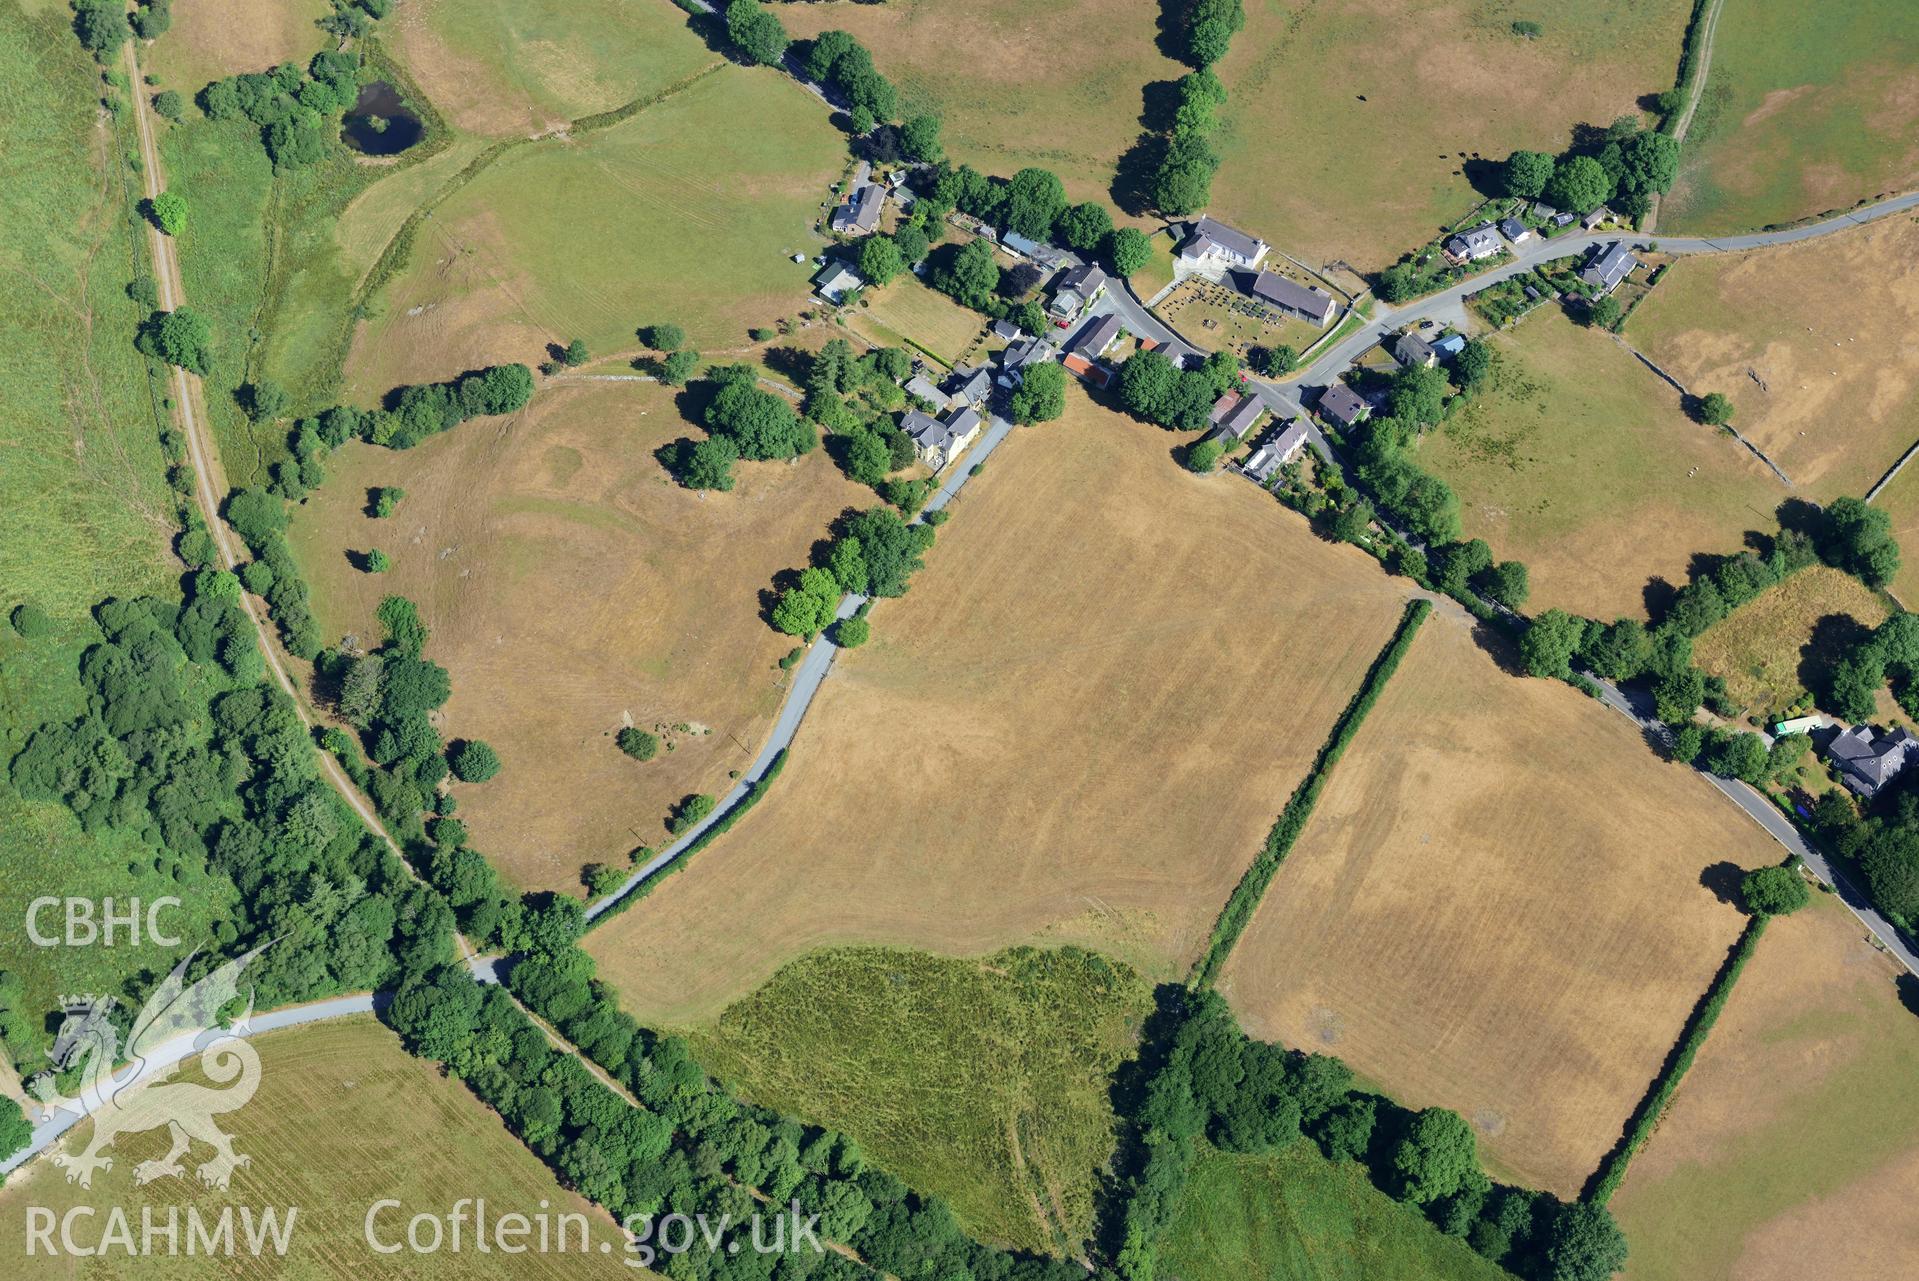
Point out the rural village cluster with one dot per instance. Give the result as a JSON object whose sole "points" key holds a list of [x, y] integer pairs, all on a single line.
{"points": [[632, 639]]}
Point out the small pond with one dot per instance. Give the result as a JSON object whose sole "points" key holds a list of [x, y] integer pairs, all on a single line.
{"points": [[380, 123]]}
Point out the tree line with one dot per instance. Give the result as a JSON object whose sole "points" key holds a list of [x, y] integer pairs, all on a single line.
{"points": [[1183, 180]]}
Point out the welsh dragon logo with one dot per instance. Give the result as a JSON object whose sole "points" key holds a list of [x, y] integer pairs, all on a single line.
{"points": [[178, 1020]]}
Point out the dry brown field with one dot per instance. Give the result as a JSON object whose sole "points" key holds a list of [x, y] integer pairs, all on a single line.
{"points": [[503, 67], [1057, 85], [1350, 126], [1583, 464], [1076, 728], [1498, 908], [343, 1117], [573, 588], [1812, 342], [219, 38], [1792, 1149], [1901, 501], [1772, 649]]}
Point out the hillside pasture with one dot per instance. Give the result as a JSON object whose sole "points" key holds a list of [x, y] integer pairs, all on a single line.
{"points": [[573, 588], [217, 38], [1293, 1214], [1796, 1135], [518, 67], [687, 212], [909, 314], [1583, 464], [1076, 728], [1808, 108], [1498, 908], [343, 1118], [1773, 648], [1812, 343], [1353, 130], [982, 1081], [1059, 86]]}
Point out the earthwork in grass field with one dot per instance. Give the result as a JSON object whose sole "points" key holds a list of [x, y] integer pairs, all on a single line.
{"points": [[1076, 728], [1498, 908], [1813, 344], [1016, 84], [1774, 648], [984, 1082], [687, 212], [1293, 1214], [343, 1118], [573, 588], [502, 67], [1348, 125], [1796, 1136], [1808, 108], [1581, 463]]}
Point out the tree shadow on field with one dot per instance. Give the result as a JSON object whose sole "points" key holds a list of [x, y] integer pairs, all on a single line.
{"points": [[691, 400], [1499, 646], [1487, 177], [1723, 878], [1833, 637], [1132, 186], [1909, 993], [1657, 596], [794, 363]]}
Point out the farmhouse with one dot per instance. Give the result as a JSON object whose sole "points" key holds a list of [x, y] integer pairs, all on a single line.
{"points": [[1412, 350], [1475, 244], [1342, 406], [969, 386], [1234, 415], [1277, 452], [860, 214], [1212, 247], [1076, 290], [941, 440], [1867, 761], [1308, 303], [1515, 230], [1095, 336], [1608, 266], [836, 280]]}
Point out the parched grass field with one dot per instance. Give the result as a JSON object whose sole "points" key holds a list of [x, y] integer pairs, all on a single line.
{"points": [[1580, 462], [1901, 501], [1808, 108], [219, 38], [1811, 342], [1772, 649], [1076, 728], [570, 586], [1057, 85], [687, 212], [84, 508], [1498, 908], [343, 1118], [982, 1081], [909, 314], [1796, 1135], [1293, 1214], [504, 67], [1348, 126]]}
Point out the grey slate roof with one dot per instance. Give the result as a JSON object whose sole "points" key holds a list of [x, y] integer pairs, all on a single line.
{"points": [[861, 212], [1513, 229], [1240, 417], [1095, 335], [1411, 350], [1278, 451], [1869, 761], [1608, 266], [1275, 288], [1474, 242], [1207, 234], [969, 384], [1343, 405], [1085, 280], [918, 386], [1005, 330]]}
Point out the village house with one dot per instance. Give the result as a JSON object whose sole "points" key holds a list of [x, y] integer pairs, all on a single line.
{"points": [[1233, 416], [919, 388], [1085, 370], [1412, 350], [1013, 361], [969, 386], [1277, 452], [1449, 345], [860, 214], [940, 440], [1303, 302], [1211, 248], [1095, 336], [1341, 406], [1597, 216], [836, 280], [1515, 230], [1867, 760], [1475, 244], [1075, 291], [1607, 266]]}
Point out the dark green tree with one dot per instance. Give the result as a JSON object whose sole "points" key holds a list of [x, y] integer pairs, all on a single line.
{"points": [[1041, 397], [1547, 647], [473, 761], [1526, 174]]}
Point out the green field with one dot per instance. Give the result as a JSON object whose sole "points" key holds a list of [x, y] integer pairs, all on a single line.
{"points": [[687, 211], [1294, 1216], [984, 1081], [907, 313], [84, 508], [1807, 108], [1581, 463]]}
